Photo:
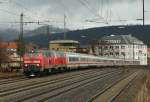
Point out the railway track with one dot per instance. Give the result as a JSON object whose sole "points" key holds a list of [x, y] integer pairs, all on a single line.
{"points": [[31, 82], [15, 90], [129, 90], [84, 92], [121, 90], [12, 80], [49, 87], [111, 93], [73, 87], [66, 88], [90, 84]]}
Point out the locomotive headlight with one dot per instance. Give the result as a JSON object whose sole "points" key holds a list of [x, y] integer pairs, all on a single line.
{"points": [[38, 65], [25, 65]]}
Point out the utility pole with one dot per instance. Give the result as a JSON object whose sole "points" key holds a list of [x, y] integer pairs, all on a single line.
{"points": [[143, 13], [48, 34], [64, 26], [21, 24], [21, 45], [133, 51]]}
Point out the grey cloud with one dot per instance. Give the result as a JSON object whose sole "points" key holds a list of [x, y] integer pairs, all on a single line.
{"points": [[76, 11]]}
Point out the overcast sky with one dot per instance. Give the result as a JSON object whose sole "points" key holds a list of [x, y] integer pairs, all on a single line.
{"points": [[80, 14]]}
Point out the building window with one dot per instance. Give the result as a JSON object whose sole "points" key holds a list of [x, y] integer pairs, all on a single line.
{"points": [[129, 46], [106, 47], [111, 53], [117, 47], [117, 53], [123, 53], [100, 47], [111, 47], [122, 47]]}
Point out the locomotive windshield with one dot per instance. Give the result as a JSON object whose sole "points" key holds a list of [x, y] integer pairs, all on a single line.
{"points": [[32, 54]]}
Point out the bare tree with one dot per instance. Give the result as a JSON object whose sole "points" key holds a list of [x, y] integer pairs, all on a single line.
{"points": [[4, 58]]}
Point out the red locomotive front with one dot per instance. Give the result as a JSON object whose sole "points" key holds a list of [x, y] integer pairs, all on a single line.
{"points": [[39, 62], [32, 62]]}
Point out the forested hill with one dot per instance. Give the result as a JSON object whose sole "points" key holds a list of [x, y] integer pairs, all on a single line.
{"points": [[86, 36]]}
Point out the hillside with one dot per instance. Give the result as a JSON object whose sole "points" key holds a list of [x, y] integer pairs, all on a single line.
{"points": [[8, 34], [11, 34], [88, 35]]}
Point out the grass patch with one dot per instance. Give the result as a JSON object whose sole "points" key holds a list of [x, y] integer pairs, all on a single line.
{"points": [[9, 74]]}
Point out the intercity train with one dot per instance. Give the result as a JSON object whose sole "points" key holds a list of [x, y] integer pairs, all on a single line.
{"points": [[39, 62]]}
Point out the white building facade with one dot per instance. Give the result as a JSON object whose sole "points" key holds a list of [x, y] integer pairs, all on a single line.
{"points": [[122, 46]]}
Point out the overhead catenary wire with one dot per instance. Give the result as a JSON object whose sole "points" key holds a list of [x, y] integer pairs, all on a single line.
{"points": [[108, 13], [101, 7], [29, 17], [88, 4], [33, 14], [9, 12], [104, 18], [93, 12], [67, 13]]}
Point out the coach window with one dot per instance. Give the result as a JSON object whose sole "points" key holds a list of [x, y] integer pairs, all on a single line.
{"points": [[73, 59], [70, 59], [61, 54], [49, 53], [83, 59], [76, 59], [117, 47], [97, 60]]}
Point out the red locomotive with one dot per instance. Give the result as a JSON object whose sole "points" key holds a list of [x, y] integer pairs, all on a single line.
{"points": [[37, 62], [45, 61]]}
